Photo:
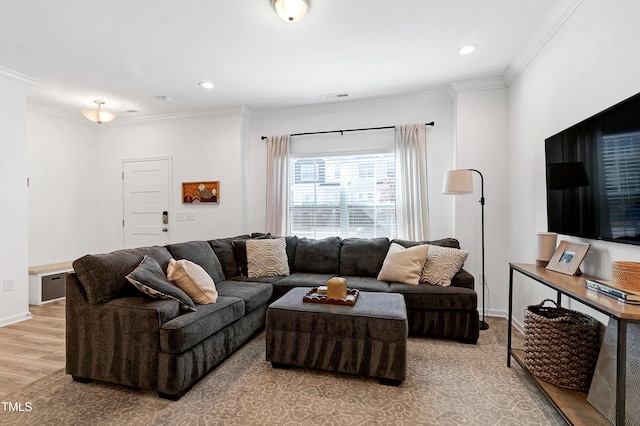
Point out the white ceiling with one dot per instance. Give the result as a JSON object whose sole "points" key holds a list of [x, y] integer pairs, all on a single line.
{"points": [[127, 52]]}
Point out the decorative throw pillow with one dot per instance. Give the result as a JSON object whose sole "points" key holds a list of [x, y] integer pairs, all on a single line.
{"points": [[267, 258], [149, 278], [240, 251], [403, 265], [442, 264], [193, 280]]}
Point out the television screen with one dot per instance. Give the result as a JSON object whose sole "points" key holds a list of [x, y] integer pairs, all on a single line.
{"points": [[593, 176]]}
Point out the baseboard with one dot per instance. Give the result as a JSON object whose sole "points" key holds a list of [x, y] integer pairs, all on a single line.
{"points": [[15, 319], [519, 325]]}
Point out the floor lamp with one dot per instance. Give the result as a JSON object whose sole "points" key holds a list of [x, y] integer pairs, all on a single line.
{"points": [[461, 182]]}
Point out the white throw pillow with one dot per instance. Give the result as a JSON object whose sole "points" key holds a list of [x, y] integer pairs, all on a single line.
{"points": [[403, 265], [442, 264], [267, 258], [193, 280]]}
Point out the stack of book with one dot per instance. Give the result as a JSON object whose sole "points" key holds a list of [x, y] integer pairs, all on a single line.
{"points": [[607, 288]]}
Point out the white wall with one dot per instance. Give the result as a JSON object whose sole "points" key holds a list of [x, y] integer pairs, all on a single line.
{"points": [[208, 147], [62, 157], [14, 287], [481, 144], [589, 65], [398, 110]]}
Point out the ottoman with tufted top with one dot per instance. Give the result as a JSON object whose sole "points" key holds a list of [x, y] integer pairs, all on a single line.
{"points": [[369, 338]]}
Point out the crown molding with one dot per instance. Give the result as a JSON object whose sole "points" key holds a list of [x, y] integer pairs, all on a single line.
{"points": [[183, 116], [242, 112], [475, 85], [545, 32], [16, 78]]}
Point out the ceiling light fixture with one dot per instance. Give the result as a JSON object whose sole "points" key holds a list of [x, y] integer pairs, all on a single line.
{"points": [[469, 48], [206, 84], [291, 10], [99, 115]]}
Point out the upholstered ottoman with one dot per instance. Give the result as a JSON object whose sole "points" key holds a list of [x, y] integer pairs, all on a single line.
{"points": [[369, 338]]}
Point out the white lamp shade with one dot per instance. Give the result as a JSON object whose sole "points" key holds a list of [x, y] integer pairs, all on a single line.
{"points": [[98, 115], [458, 182], [291, 10]]}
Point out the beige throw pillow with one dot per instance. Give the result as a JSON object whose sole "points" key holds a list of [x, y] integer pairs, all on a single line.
{"points": [[267, 258], [403, 265], [193, 280], [442, 264]]}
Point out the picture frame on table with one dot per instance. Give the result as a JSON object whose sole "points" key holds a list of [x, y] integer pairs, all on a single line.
{"points": [[568, 257], [200, 192]]}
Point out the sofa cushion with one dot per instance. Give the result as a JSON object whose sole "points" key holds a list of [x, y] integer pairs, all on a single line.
{"points": [[318, 256], [199, 252], [240, 251], [103, 275], [267, 258], [363, 257], [442, 264], [403, 265], [189, 329], [424, 297], [149, 278], [253, 294], [443, 242], [193, 280], [292, 245], [223, 248], [367, 284], [303, 279]]}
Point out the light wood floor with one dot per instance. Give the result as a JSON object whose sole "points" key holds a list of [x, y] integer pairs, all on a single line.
{"points": [[32, 349]]}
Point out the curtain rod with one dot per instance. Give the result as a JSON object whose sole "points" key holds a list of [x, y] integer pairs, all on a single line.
{"points": [[349, 130]]}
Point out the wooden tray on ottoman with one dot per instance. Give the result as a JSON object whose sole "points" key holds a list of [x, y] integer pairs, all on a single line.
{"points": [[314, 297]]}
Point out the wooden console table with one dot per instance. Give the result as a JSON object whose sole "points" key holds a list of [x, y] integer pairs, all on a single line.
{"points": [[571, 404]]}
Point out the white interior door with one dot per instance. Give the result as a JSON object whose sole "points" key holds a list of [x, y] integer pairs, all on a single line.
{"points": [[146, 192]]}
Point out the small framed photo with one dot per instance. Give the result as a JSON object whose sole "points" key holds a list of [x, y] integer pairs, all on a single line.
{"points": [[200, 192], [568, 258]]}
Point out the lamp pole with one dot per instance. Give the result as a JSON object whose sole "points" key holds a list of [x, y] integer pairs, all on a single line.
{"points": [[483, 323]]}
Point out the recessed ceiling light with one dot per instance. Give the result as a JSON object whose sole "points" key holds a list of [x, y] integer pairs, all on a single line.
{"points": [[206, 84], [469, 48]]}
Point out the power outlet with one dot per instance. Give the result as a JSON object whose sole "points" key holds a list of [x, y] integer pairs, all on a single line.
{"points": [[7, 285], [190, 217], [179, 217]]}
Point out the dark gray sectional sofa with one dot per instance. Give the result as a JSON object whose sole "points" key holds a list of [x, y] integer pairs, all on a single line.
{"points": [[116, 334]]}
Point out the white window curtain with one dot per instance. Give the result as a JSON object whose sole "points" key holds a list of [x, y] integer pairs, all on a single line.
{"points": [[412, 210], [277, 222]]}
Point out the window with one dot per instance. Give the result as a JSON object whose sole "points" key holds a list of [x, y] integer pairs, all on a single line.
{"points": [[622, 173], [309, 171], [343, 195]]}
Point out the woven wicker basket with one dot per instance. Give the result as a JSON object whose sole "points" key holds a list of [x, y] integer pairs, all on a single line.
{"points": [[561, 346], [626, 275]]}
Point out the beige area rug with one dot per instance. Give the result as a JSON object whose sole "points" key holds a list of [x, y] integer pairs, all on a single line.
{"points": [[448, 383]]}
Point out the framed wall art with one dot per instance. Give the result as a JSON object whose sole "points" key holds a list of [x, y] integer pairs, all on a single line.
{"points": [[200, 192], [568, 258]]}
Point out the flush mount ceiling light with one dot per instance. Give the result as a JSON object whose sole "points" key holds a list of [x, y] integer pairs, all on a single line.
{"points": [[206, 84], [469, 48], [99, 115], [291, 10]]}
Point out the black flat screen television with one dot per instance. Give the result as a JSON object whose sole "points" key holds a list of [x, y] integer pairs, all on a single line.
{"points": [[593, 176]]}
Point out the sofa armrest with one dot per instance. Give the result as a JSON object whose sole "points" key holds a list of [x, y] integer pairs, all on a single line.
{"points": [[462, 278], [117, 341]]}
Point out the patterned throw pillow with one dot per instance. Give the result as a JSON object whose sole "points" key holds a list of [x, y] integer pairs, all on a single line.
{"points": [[403, 265], [193, 280], [149, 278], [442, 264], [267, 258]]}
